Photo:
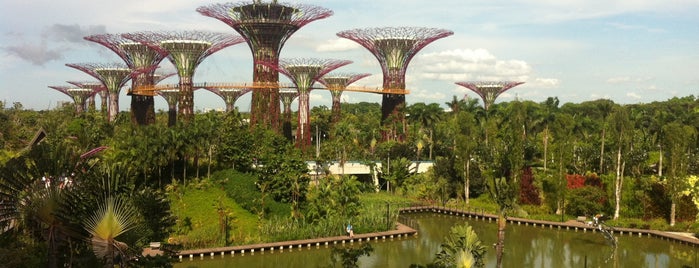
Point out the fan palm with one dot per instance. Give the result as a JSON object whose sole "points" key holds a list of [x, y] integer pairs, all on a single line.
{"points": [[111, 219]]}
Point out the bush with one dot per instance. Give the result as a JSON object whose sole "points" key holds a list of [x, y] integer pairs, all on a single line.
{"points": [[242, 187], [586, 200]]}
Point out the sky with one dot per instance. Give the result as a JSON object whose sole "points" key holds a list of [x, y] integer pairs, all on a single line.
{"points": [[628, 51]]}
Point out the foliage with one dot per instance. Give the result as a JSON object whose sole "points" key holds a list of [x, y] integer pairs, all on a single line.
{"points": [[528, 193], [426, 187], [334, 197], [244, 189], [586, 200]]}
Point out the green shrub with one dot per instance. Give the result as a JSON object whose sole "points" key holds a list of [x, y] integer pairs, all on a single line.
{"points": [[242, 187]]}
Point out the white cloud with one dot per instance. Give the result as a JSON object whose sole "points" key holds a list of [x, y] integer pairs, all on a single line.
{"points": [[544, 82], [335, 45], [628, 79], [471, 64], [633, 95]]}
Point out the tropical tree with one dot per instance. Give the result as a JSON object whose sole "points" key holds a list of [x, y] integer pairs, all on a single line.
{"points": [[677, 140], [622, 131]]}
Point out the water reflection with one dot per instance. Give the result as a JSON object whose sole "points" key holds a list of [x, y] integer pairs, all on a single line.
{"points": [[526, 246]]}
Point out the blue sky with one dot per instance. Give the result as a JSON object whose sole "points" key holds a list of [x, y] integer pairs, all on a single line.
{"points": [[630, 51]]}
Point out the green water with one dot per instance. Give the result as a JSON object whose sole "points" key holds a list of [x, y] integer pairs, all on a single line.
{"points": [[525, 246]]}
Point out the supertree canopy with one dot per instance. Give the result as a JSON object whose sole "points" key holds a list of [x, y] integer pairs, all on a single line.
{"points": [[489, 90], [336, 83], [304, 72], [79, 95], [113, 76], [394, 47], [287, 96], [265, 26], [98, 88], [136, 56], [186, 51], [229, 95]]}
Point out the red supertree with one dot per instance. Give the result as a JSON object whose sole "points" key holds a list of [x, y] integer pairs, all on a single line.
{"points": [[229, 95], [336, 83], [265, 27], [287, 96], [394, 47], [79, 95], [98, 88], [113, 76], [136, 56], [304, 72], [186, 51], [489, 90]]}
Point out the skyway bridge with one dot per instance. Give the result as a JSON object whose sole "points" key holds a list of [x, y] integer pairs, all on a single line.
{"points": [[152, 90], [360, 168]]}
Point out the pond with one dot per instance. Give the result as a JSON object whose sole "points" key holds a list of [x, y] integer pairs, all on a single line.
{"points": [[525, 246]]}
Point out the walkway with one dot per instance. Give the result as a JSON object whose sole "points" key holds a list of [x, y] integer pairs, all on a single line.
{"points": [[681, 238], [400, 231]]}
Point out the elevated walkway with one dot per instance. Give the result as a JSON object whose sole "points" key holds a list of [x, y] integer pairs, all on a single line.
{"points": [[360, 168]]}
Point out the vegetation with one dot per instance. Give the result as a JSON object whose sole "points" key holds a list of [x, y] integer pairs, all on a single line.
{"points": [[541, 160]]}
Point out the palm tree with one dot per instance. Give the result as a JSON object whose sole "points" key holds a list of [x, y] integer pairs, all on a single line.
{"points": [[462, 248], [111, 219]]}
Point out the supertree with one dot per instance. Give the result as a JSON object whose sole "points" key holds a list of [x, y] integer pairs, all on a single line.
{"points": [[186, 50], [136, 56], [79, 95], [489, 90], [98, 88], [336, 83], [229, 95], [113, 76], [266, 27], [287, 96], [394, 47], [303, 73], [171, 96]]}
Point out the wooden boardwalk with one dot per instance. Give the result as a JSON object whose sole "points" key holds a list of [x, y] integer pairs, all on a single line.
{"points": [[400, 231], [568, 225]]}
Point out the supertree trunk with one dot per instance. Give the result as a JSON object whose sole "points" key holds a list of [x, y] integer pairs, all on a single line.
{"points": [[113, 106], [336, 109], [264, 110], [185, 106], [143, 107], [172, 115], [303, 131]]}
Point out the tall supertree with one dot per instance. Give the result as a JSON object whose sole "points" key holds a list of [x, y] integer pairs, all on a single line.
{"points": [[98, 88], [337, 83], [489, 90], [136, 56], [113, 76], [186, 51], [171, 96], [394, 47], [79, 96], [287, 96], [229, 95], [266, 27], [304, 72]]}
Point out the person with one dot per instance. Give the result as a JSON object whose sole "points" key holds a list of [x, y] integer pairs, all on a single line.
{"points": [[350, 232]]}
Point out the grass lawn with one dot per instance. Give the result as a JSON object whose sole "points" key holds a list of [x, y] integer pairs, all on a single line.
{"points": [[197, 212]]}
